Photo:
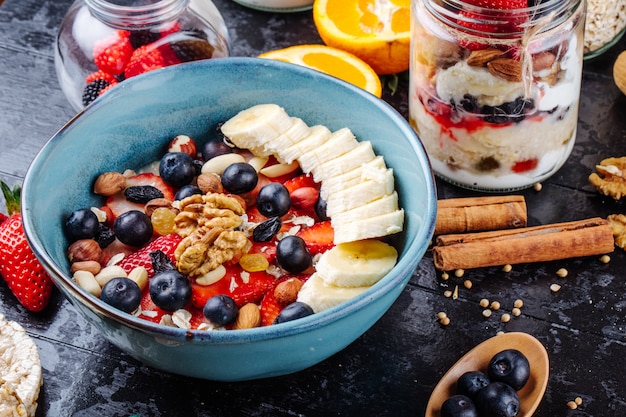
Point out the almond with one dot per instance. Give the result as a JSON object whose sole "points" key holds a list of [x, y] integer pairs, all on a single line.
{"points": [[543, 61], [90, 266], [109, 183], [248, 317], [482, 57], [506, 68], [156, 203], [286, 292]]}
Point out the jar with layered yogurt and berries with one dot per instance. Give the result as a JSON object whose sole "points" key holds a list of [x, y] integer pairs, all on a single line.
{"points": [[494, 93]]}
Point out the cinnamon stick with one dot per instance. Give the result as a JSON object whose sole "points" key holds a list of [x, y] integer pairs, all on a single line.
{"points": [[475, 214], [524, 245]]}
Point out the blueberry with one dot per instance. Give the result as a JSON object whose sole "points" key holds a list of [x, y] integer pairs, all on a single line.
{"points": [[239, 178], [177, 169], [458, 406], [122, 293], [471, 382], [295, 310], [293, 255], [82, 224], [133, 228], [497, 400], [220, 310], [170, 290], [320, 209], [511, 367], [215, 148], [187, 191], [273, 200]]}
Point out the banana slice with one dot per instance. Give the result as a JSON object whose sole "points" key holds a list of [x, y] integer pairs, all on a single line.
{"points": [[359, 194], [373, 227], [370, 170], [337, 144], [347, 162], [321, 296], [356, 264], [254, 127], [296, 133], [384, 205], [318, 135]]}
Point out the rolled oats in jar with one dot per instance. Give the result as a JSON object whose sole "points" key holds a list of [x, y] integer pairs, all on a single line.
{"points": [[494, 93]]}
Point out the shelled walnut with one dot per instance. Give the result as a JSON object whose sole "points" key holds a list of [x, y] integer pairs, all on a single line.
{"points": [[613, 180]]}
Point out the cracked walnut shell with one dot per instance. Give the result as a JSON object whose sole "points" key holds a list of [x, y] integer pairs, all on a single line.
{"points": [[613, 180]]}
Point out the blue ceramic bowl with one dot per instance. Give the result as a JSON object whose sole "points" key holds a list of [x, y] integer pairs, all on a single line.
{"points": [[130, 126]]}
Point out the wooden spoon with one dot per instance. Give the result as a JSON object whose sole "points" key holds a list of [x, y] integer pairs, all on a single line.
{"points": [[478, 359]]}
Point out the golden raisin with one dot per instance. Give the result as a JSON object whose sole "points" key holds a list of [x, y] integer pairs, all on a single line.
{"points": [[163, 220], [254, 262]]}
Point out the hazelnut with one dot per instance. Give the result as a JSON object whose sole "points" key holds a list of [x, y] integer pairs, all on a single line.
{"points": [[286, 292], [184, 144], [209, 182], [84, 250], [109, 183]]}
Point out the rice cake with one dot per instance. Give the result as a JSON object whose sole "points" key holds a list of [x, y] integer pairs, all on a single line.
{"points": [[20, 371]]}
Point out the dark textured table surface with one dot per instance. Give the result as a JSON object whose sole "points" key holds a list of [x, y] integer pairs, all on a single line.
{"points": [[393, 367]]}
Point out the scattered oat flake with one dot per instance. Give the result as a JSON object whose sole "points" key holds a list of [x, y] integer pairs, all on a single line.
{"points": [[182, 318], [245, 276], [149, 313]]}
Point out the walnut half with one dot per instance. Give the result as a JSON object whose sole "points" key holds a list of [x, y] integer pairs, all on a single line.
{"points": [[613, 180], [618, 225]]}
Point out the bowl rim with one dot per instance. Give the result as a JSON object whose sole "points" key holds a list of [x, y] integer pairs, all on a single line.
{"points": [[414, 248]]}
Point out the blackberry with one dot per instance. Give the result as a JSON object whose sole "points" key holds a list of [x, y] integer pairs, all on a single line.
{"points": [[139, 38], [93, 90]]}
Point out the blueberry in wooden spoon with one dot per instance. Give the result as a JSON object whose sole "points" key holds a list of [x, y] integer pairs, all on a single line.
{"points": [[458, 406], [511, 367]]}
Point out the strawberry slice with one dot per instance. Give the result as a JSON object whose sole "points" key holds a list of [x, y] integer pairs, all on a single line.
{"points": [[270, 309], [300, 181], [166, 244], [319, 238], [118, 203], [250, 290]]}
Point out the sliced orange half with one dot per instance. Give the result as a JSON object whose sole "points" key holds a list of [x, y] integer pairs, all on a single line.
{"points": [[331, 61], [377, 31]]}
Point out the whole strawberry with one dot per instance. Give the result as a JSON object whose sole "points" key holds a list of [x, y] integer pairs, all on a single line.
{"points": [[19, 267]]}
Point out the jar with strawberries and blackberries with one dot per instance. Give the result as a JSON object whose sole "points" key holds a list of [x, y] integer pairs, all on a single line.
{"points": [[495, 87], [101, 43]]}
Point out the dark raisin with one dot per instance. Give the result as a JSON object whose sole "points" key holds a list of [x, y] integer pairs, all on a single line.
{"points": [[487, 164], [105, 235], [265, 231], [161, 262], [142, 193]]}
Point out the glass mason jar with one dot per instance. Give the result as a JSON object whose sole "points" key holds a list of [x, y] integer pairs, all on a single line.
{"points": [[101, 43], [494, 94]]}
